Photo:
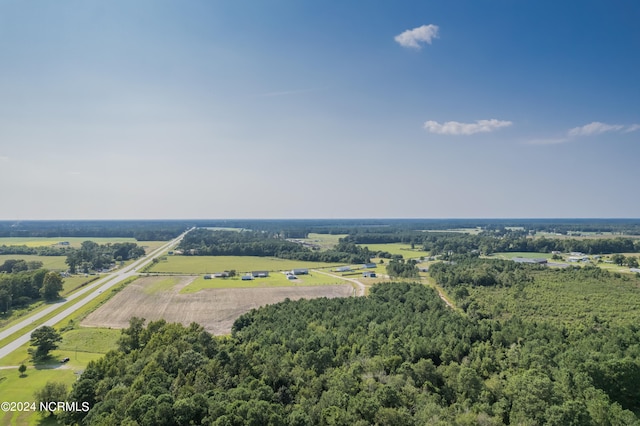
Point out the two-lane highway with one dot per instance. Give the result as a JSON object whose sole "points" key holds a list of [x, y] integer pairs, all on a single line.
{"points": [[98, 288]]}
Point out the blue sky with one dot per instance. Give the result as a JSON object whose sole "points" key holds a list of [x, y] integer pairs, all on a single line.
{"points": [[333, 109]]}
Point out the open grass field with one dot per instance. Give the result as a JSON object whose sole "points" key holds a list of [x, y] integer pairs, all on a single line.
{"points": [[528, 255], [324, 241], [14, 388], [91, 340], [275, 279], [215, 309], [397, 248], [73, 241], [56, 263], [80, 346], [242, 264]]}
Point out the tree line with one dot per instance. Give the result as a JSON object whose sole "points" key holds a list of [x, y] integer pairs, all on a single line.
{"points": [[496, 242], [92, 256], [205, 242], [22, 287]]}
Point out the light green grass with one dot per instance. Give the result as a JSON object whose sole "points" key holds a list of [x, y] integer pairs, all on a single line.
{"points": [[275, 279], [528, 255], [73, 241], [211, 264], [48, 262], [324, 241], [14, 388], [161, 285], [72, 283], [85, 339], [397, 248]]}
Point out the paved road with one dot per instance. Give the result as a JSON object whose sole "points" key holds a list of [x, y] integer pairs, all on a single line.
{"points": [[97, 287]]}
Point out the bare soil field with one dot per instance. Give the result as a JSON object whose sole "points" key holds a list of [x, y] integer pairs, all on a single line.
{"points": [[214, 309]]}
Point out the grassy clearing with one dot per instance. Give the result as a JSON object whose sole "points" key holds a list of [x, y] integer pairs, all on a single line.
{"points": [[273, 280], [14, 388], [48, 262], [211, 264], [160, 285], [324, 241], [397, 248], [21, 389], [92, 340], [528, 255]]}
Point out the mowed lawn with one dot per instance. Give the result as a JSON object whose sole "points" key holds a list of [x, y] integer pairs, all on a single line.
{"points": [[275, 279], [81, 346], [397, 248], [241, 264]]}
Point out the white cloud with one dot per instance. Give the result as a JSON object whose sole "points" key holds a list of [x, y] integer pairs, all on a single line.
{"points": [[412, 38], [457, 128], [593, 129]]}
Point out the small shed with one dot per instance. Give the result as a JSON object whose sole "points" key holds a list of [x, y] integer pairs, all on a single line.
{"points": [[247, 277], [260, 274], [301, 271], [369, 265], [369, 274]]}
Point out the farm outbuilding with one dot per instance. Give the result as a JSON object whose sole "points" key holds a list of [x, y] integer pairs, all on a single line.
{"points": [[247, 277], [343, 269], [260, 274], [301, 271], [369, 274], [369, 265]]}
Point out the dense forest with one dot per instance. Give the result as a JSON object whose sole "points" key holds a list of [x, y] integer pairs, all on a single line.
{"points": [[141, 230], [206, 242], [160, 230], [489, 242], [396, 357]]}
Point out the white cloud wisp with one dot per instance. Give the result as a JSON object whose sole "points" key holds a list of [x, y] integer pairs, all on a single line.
{"points": [[593, 128], [413, 38], [457, 128]]}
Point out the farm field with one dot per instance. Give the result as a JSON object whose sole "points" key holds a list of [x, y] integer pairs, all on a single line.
{"points": [[215, 309], [242, 264], [48, 262], [324, 241], [527, 255], [397, 248], [74, 241], [275, 279]]}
